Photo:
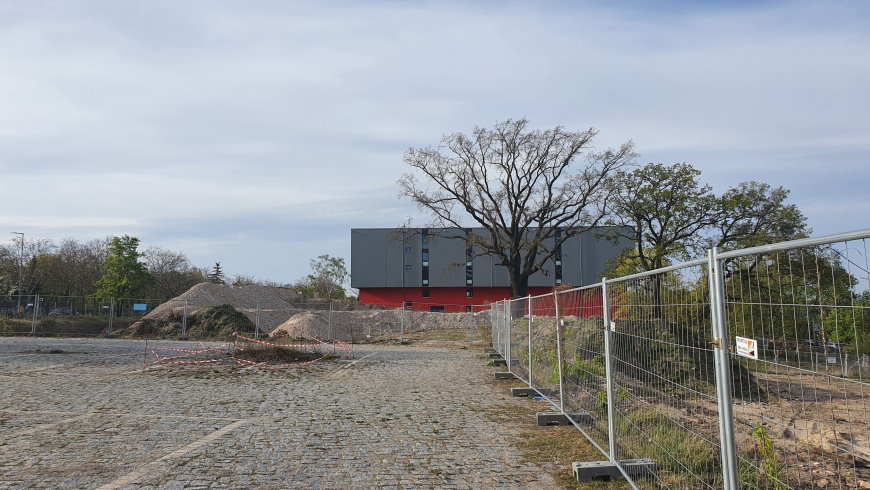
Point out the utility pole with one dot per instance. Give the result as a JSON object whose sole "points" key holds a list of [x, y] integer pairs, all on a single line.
{"points": [[20, 267]]}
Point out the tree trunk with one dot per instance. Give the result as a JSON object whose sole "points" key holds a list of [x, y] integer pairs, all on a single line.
{"points": [[519, 289], [519, 284], [657, 296]]}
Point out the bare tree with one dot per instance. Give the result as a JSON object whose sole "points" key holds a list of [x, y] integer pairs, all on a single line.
{"points": [[529, 189], [171, 271]]}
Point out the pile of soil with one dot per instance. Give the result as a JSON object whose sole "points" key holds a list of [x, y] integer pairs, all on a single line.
{"points": [[209, 322], [271, 306], [358, 326]]}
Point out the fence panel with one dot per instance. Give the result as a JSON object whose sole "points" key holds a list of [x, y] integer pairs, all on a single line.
{"points": [[544, 363], [498, 327], [519, 332], [664, 383], [802, 399], [583, 362]]}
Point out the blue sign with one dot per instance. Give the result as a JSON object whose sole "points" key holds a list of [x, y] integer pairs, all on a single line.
{"points": [[140, 307]]}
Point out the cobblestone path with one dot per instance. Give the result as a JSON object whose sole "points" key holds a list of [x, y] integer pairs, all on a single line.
{"points": [[395, 416]]}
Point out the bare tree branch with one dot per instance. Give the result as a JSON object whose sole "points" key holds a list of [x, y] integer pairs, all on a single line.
{"points": [[521, 185]]}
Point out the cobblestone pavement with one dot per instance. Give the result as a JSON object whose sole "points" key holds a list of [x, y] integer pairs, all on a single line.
{"points": [[395, 416]]}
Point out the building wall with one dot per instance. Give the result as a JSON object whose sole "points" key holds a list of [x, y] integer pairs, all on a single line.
{"points": [[452, 299], [384, 259]]}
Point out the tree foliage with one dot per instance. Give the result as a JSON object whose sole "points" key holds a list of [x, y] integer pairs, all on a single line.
{"points": [[327, 279], [73, 268], [663, 209], [521, 185], [216, 276], [670, 214], [125, 275]]}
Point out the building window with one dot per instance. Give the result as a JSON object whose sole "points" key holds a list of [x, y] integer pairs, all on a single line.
{"points": [[425, 292], [558, 257], [409, 304], [407, 267], [439, 309], [424, 256], [469, 292], [469, 309], [469, 257], [407, 250]]}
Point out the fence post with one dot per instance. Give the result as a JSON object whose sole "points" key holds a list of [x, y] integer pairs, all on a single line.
{"points": [[507, 328], [496, 324], [722, 364], [331, 329], [111, 314], [402, 325], [608, 372], [559, 351], [184, 321], [329, 332], [35, 313], [257, 322], [529, 304]]}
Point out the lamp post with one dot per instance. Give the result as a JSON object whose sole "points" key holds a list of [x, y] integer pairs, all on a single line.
{"points": [[20, 267]]}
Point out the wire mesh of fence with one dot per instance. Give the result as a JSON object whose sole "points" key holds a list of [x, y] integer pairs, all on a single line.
{"points": [[802, 313], [745, 370], [581, 324], [544, 358], [664, 382]]}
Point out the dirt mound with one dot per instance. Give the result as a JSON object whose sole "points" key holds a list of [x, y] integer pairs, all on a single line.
{"points": [[361, 325], [268, 306]]}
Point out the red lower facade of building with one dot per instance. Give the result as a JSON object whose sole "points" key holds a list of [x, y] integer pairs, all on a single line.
{"points": [[447, 299], [582, 303]]}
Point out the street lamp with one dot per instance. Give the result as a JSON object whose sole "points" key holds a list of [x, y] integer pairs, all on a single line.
{"points": [[20, 267]]}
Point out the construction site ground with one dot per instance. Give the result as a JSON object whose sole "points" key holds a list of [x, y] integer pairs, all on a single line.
{"points": [[83, 413]]}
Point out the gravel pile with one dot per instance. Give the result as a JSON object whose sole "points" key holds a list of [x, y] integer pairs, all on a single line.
{"points": [[276, 305], [359, 325]]}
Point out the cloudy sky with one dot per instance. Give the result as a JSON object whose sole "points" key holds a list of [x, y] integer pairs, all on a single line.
{"points": [[259, 133]]}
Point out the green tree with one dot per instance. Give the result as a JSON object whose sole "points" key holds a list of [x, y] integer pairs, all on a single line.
{"points": [[662, 209], [754, 213], [216, 275], [671, 214], [327, 279], [124, 274]]}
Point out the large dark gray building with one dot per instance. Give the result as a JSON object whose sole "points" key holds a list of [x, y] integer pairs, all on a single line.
{"points": [[438, 270]]}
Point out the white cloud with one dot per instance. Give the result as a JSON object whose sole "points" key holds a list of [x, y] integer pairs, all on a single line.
{"points": [[160, 115]]}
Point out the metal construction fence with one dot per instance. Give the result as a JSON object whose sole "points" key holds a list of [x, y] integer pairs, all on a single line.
{"points": [[746, 369], [183, 318]]}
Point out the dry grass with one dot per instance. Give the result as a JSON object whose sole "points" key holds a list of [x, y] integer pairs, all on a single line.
{"points": [[553, 448], [268, 353]]}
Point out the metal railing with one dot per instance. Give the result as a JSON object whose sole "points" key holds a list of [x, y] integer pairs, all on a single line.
{"points": [[182, 318], [746, 369]]}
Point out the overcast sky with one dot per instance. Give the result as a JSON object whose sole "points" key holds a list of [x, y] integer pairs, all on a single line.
{"points": [[259, 133]]}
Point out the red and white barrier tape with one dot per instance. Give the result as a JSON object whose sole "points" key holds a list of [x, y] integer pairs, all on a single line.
{"points": [[231, 349]]}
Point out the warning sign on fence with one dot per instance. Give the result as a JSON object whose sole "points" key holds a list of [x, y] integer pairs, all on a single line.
{"points": [[747, 348]]}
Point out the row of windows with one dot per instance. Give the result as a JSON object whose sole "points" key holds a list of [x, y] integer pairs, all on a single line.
{"points": [[425, 257], [469, 264], [408, 304], [558, 256], [469, 261], [469, 292]]}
